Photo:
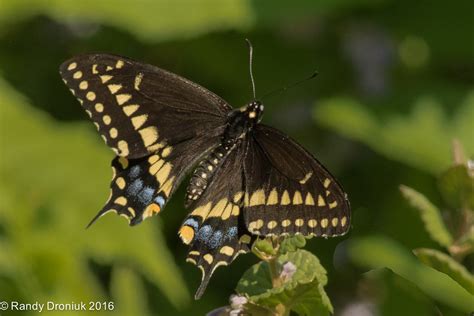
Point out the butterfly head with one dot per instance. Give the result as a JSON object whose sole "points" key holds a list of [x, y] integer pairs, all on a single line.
{"points": [[241, 121], [254, 111]]}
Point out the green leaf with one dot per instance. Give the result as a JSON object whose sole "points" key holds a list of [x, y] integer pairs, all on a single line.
{"points": [[129, 293], [303, 293], [263, 247], [290, 244], [430, 215], [53, 178], [457, 188], [444, 263], [467, 240], [139, 17], [421, 139], [379, 252], [257, 310], [276, 11]]}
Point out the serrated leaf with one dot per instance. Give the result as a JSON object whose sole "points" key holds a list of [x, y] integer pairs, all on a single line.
{"points": [[430, 215], [457, 188], [444, 263], [255, 280], [291, 244], [303, 293], [263, 246], [382, 252]]}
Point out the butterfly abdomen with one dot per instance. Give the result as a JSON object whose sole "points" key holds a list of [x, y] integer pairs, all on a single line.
{"points": [[203, 174]]}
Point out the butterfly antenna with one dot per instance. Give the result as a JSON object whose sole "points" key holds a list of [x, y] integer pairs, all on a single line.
{"points": [[250, 66], [313, 75]]}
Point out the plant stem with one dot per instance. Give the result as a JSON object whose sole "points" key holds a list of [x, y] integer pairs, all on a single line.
{"points": [[460, 248], [280, 309], [459, 158], [276, 281], [270, 256]]}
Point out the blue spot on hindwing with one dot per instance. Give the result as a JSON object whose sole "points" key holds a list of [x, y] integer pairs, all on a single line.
{"points": [[230, 233], [204, 233], [192, 222], [135, 187], [216, 240], [134, 172], [160, 200], [146, 195]]}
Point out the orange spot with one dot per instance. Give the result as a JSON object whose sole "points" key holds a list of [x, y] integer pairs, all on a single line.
{"points": [[186, 233], [151, 210]]}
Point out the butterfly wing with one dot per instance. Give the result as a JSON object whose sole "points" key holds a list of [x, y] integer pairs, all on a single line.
{"points": [[138, 108], [141, 187], [288, 191], [156, 122], [215, 229]]}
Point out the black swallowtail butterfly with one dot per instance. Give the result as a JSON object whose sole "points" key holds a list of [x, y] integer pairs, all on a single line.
{"points": [[251, 180]]}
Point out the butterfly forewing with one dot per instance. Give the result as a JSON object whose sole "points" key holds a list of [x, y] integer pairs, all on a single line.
{"points": [[139, 108], [141, 111], [288, 191]]}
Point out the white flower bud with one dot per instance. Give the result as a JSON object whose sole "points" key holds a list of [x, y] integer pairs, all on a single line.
{"points": [[288, 270], [237, 301]]}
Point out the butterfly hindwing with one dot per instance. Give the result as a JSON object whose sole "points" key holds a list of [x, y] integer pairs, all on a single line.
{"points": [[139, 108], [215, 229], [141, 187], [134, 190], [288, 191], [218, 243]]}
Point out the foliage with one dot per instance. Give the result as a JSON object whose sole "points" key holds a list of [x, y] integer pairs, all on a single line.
{"points": [[449, 281], [457, 188], [128, 289], [391, 255], [137, 17], [444, 263], [303, 293], [287, 279], [430, 215], [420, 139], [43, 223], [395, 87], [292, 244]]}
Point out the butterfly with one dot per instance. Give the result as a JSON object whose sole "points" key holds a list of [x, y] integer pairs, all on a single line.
{"points": [[248, 180]]}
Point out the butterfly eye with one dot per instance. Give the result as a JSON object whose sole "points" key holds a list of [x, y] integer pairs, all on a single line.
{"points": [[261, 107]]}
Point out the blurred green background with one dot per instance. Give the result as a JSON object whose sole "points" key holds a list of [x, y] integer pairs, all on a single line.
{"points": [[395, 87]]}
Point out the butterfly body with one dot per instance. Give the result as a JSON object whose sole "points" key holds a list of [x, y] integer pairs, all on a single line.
{"points": [[239, 123], [204, 172], [249, 180]]}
